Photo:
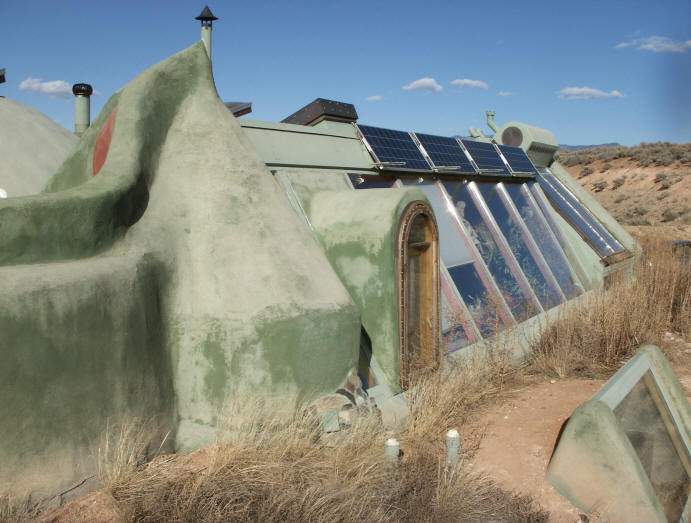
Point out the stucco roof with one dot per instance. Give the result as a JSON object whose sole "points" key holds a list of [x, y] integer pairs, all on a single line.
{"points": [[32, 147]]}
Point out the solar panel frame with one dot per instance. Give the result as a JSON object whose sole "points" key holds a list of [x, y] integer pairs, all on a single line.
{"points": [[518, 161], [486, 158], [445, 152], [391, 146]]}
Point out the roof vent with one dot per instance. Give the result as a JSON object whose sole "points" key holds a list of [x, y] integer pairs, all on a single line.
{"points": [[321, 109]]}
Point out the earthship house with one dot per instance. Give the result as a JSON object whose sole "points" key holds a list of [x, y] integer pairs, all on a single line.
{"points": [[181, 257]]}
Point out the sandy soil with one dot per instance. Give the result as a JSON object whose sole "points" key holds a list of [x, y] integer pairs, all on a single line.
{"points": [[653, 198], [522, 433]]}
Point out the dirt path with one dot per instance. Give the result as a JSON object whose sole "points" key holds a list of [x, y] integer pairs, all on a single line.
{"points": [[521, 434]]}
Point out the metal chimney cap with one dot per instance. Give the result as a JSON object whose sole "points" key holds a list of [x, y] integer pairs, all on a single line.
{"points": [[82, 90], [206, 15]]}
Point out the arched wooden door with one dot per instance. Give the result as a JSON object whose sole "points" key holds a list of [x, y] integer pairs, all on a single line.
{"points": [[418, 291]]}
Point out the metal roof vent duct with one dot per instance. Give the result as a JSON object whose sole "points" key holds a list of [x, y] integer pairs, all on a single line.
{"points": [[322, 109], [539, 144], [206, 17], [82, 107]]}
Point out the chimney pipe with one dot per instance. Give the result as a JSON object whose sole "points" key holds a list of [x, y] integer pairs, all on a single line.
{"points": [[82, 107], [490, 120], [206, 17]]}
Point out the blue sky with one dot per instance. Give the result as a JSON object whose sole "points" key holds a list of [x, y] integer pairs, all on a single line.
{"points": [[590, 71]]}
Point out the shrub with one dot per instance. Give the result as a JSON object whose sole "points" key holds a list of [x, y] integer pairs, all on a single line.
{"points": [[600, 186], [586, 171], [668, 215], [606, 167], [618, 182], [594, 335], [661, 177]]}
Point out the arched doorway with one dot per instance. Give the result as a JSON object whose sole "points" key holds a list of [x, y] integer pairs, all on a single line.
{"points": [[418, 291]]}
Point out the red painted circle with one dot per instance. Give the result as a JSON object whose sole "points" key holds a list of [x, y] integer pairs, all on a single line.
{"points": [[103, 142]]}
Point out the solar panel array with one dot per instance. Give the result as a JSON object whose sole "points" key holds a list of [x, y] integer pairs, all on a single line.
{"points": [[517, 159], [394, 146], [398, 150], [445, 152], [486, 157]]}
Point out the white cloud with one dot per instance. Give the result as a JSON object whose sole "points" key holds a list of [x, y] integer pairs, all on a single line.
{"points": [[656, 44], [374, 98], [55, 88], [586, 93], [467, 82], [506, 93], [424, 84]]}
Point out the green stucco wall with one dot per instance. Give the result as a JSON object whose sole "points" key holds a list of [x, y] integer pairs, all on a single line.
{"points": [[174, 281]]}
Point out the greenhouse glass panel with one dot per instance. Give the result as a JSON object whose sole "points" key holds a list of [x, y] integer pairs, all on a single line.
{"points": [[459, 261], [548, 296], [457, 330], [482, 237], [543, 236], [476, 298], [575, 218], [592, 221]]}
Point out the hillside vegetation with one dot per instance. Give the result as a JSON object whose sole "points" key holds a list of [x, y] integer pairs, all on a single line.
{"points": [[645, 186]]}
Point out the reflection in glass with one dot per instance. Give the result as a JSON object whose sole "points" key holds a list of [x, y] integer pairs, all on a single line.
{"points": [[548, 297], [489, 250], [643, 424], [592, 221], [453, 322], [577, 220], [475, 296], [548, 246], [460, 263]]}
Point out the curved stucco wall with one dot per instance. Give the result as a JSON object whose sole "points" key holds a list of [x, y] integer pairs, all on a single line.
{"points": [[181, 262], [32, 147]]}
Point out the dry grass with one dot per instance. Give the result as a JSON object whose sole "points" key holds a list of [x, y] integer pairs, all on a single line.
{"points": [[594, 336], [273, 468], [16, 510]]}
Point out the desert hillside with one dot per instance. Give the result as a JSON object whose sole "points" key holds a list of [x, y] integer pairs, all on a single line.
{"points": [[646, 187]]}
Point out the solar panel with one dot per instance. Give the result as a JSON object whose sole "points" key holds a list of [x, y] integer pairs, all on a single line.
{"points": [[518, 160], [445, 152], [486, 157], [394, 147]]}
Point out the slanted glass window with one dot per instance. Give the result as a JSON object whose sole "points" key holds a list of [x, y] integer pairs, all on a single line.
{"points": [[543, 236], [642, 419], [590, 229], [460, 264], [516, 297], [527, 259], [457, 330]]}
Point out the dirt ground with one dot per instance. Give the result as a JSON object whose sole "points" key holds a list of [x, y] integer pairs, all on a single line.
{"points": [[522, 432]]}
